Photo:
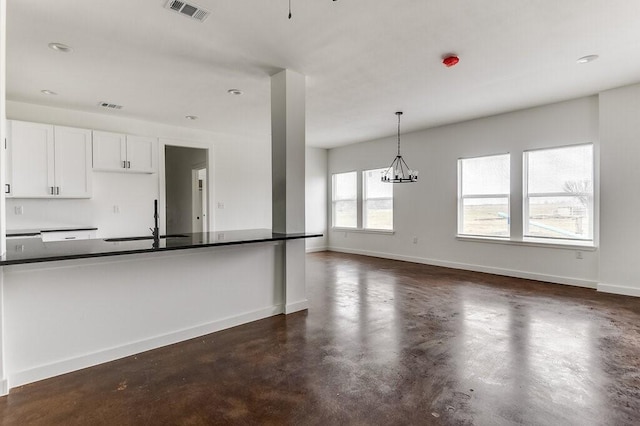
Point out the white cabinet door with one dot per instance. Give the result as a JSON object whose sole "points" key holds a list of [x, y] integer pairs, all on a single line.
{"points": [[31, 158], [141, 154], [109, 151], [72, 162]]}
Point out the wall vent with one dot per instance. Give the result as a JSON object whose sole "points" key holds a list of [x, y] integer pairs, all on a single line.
{"points": [[189, 10], [109, 105]]}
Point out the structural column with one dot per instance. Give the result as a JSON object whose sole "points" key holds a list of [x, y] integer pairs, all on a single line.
{"points": [[288, 181]]}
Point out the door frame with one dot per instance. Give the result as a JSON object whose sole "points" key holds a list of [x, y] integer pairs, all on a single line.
{"points": [[162, 196]]}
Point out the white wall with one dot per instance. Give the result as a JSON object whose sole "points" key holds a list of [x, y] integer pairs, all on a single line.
{"points": [[242, 176], [620, 197], [316, 197], [428, 209]]}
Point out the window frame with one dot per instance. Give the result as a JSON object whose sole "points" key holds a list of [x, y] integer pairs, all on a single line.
{"points": [[365, 198], [462, 198], [526, 195]]}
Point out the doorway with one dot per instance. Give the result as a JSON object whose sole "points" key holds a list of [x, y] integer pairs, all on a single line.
{"points": [[186, 172]]}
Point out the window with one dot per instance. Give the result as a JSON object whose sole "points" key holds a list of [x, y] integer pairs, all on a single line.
{"points": [[377, 203], [483, 196], [558, 193], [345, 200]]}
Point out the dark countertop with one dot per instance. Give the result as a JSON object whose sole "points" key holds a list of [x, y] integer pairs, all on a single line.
{"points": [[32, 250], [37, 231]]}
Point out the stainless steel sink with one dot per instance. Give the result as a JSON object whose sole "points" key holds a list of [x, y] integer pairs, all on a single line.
{"points": [[145, 237]]}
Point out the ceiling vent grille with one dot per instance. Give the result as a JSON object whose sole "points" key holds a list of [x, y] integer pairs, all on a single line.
{"points": [[189, 10], [109, 105]]}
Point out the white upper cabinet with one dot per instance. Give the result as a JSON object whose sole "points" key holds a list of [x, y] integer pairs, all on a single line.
{"points": [[124, 153], [48, 161]]}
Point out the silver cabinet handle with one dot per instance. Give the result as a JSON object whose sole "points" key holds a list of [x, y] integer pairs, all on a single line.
{"points": [[124, 164], [57, 190], [51, 190], [7, 188], [128, 164]]}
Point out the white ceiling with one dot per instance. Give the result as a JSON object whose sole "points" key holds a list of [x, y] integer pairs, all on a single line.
{"points": [[364, 59]]}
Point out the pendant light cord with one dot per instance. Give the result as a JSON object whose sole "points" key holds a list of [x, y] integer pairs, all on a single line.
{"points": [[289, 9], [398, 114]]}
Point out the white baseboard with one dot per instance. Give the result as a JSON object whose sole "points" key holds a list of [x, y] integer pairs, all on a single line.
{"points": [[89, 360], [315, 249], [619, 289], [476, 268], [301, 305], [4, 387]]}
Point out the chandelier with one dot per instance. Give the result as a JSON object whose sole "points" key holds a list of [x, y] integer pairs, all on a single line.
{"points": [[398, 171]]}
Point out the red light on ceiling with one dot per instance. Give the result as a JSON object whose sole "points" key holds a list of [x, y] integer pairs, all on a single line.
{"points": [[450, 61]]}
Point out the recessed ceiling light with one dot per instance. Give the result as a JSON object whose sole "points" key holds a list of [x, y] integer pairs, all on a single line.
{"points": [[588, 58], [191, 117], [59, 47], [48, 92], [234, 92]]}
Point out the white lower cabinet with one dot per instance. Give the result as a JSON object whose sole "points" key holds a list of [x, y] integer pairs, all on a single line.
{"points": [[116, 152], [47, 161]]}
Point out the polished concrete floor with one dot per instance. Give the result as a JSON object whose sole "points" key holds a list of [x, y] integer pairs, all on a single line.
{"points": [[383, 343]]}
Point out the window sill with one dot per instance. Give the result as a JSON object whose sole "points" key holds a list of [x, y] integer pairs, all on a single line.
{"points": [[533, 242], [364, 231]]}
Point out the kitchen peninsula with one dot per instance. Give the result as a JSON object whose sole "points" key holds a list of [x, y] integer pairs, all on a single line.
{"points": [[73, 304]]}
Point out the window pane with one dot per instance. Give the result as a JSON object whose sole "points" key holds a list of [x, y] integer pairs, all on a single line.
{"points": [[559, 217], [345, 214], [379, 214], [374, 187], [486, 217], [345, 186], [377, 203], [485, 175], [560, 170]]}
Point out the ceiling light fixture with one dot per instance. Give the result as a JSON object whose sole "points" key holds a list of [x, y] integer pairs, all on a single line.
{"points": [[587, 59], [59, 47], [48, 92], [191, 117], [398, 171], [236, 92]]}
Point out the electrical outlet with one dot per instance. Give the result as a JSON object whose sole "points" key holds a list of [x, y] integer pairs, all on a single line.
{"points": [[415, 240], [578, 255], [116, 209], [18, 210], [220, 205]]}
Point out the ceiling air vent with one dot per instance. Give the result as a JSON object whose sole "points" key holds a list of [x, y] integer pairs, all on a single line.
{"points": [[109, 105], [189, 10]]}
